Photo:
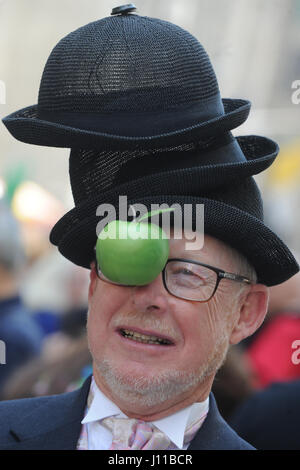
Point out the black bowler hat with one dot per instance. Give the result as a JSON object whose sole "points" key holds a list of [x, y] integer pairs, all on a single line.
{"points": [[232, 213], [127, 81], [137, 101]]}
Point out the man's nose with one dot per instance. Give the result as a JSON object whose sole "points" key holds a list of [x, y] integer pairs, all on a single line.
{"points": [[151, 297]]}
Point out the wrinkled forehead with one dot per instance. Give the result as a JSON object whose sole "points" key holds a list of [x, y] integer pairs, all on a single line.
{"points": [[202, 247]]}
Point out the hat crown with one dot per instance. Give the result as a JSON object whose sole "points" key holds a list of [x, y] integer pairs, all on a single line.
{"points": [[128, 63]]}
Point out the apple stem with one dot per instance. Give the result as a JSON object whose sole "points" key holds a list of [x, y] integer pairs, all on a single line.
{"points": [[134, 211], [149, 214]]}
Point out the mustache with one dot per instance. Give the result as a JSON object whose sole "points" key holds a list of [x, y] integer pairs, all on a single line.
{"points": [[146, 321]]}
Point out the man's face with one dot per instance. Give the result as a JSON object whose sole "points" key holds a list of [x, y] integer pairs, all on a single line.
{"points": [[154, 374]]}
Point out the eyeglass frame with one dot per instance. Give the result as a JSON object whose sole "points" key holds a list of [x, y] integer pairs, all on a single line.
{"points": [[221, 274]]}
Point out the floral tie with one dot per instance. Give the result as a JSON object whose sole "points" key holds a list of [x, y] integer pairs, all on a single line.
{"points": [[133, 434]]}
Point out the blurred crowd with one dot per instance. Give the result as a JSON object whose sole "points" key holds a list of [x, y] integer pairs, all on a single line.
{"points": [[43, 309], [46, 349]]}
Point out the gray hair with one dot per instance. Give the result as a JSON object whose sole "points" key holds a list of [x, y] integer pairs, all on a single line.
{"points": [[245, 268], [12, 253]]}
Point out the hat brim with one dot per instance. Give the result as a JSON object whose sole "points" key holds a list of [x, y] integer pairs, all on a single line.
{"points": [[26, 126], [242, 157], [75, 234]]}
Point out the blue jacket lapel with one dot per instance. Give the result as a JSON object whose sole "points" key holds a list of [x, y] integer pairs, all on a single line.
{"points": [[61, 424], [215, 434]]}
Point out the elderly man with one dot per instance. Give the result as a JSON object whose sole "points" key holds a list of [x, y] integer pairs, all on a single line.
{"points": [[155, 353], [137, 101]]}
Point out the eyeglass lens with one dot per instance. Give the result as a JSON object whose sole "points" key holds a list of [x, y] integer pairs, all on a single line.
{"points": [[190, 281]]}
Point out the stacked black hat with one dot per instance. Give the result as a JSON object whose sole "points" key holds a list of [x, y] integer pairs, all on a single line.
{"points": [[137, 101]]}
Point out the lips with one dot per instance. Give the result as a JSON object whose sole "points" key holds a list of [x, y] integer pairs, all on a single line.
{"points": [[146, 338]]}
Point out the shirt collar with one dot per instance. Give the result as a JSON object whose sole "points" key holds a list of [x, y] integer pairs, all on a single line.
{"points": [[173, 426]]}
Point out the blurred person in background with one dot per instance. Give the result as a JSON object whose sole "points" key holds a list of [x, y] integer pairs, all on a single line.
{"points": [[234, 382], [54, 291], [51, 286], [64, 363], [270, 350], [18, 330], [270, 419]]}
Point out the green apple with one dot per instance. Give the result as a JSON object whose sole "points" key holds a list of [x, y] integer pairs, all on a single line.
{"points": [[132, 253]]}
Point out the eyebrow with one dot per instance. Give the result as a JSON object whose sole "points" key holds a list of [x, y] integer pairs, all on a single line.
{"points": [[188, 253], [193, 255]]}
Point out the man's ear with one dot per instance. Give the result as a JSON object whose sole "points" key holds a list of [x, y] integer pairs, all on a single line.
{"points": [[252, 312], [93, 280]]}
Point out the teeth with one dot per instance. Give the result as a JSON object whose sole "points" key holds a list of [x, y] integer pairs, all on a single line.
{"points": [[144, 338]]}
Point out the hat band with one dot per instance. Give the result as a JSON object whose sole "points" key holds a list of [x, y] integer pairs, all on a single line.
{"points": [[136, 124]]}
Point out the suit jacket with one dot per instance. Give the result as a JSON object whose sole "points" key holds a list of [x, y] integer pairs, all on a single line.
{"points": [[270, 418], [54, 423]]}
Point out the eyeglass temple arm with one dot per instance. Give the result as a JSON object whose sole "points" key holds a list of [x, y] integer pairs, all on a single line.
{"points": [[235, 277]]}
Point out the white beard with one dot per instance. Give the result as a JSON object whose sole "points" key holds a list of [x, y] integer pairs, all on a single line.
{"points": [[148, 391]]}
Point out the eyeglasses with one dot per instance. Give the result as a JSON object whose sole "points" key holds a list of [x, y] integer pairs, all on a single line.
{"points": [[190, 280]]}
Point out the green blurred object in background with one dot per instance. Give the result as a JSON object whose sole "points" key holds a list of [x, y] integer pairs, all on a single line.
{"points": [[13, 178]]}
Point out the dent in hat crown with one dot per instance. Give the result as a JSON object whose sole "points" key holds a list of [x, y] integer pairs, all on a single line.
{"points": [[129, 63]]}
